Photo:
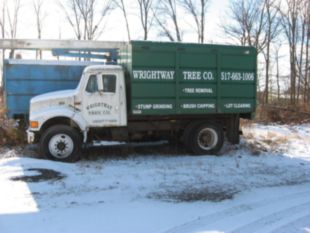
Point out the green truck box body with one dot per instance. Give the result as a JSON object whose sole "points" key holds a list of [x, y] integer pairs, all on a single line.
{"points": [[166, 78]]}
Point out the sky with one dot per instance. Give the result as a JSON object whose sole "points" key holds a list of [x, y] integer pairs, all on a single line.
{"points": [[115, 30], [55, 25]]}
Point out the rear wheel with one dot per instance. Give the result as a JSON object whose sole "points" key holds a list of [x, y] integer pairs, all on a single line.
{"points": [[206, 138], [61, 143]]}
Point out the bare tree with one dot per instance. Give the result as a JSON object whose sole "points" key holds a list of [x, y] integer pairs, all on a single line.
{"points": [[271, 31], [121, 5], [290, 24], [84, 18], [2, 20], [303, 59], [167, 19], [2, 26], [247, 23], [73, 16], [307, 60], [197, 9], [13, 15], [256, 23], [145, 10], [277, 55], [40, 15], [91, 22], [12, 11], [300, 59], [278, 74]]}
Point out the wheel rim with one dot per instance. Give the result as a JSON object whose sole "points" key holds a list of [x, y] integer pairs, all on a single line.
{"points": [[207, 139], [61, 146]]}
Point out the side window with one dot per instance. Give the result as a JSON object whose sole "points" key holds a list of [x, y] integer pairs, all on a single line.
{"points": [[92, 85], [109, 83]]}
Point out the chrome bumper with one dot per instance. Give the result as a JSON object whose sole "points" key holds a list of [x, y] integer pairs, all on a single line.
{"points": [[30, 136]]}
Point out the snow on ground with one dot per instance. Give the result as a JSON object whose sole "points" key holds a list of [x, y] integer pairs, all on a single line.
{"points": [[262, 185]]}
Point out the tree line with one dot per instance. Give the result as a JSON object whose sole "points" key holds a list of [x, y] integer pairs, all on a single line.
{"points": [[278, 29], [271, 25]]}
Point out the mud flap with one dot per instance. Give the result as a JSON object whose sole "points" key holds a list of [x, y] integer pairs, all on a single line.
{"points": [[233, 133]]}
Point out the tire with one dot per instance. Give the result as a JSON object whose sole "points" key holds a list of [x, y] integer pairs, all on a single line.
{"points": [[187, 134], [206, 138], [61, 143]]}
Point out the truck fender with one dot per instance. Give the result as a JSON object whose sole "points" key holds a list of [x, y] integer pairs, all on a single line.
{"points": [[43, 116]]}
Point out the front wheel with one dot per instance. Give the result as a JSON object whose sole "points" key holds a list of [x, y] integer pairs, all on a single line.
{"points": [[207, 138], [61, 143]]}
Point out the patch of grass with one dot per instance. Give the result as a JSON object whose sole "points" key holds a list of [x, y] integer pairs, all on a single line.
{"points": [[283, 113], [268, 141], [10, 133], [194, 194]]}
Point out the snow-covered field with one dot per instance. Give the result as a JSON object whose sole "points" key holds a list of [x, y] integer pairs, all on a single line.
{"points": [[262, 185]]}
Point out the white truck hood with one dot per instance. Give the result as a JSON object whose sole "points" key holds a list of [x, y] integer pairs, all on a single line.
{"points": [[53, 96], [58, 99]]}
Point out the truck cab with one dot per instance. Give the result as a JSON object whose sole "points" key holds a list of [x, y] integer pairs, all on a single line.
{"points": [[61, 118], [102, 98]]}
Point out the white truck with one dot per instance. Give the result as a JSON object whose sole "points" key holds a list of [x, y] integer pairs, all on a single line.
{"points": [[195, 93]]}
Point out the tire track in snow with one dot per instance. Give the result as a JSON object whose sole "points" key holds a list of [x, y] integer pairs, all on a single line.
{"points": [[292, 226], [264, 224], [231, 215]]}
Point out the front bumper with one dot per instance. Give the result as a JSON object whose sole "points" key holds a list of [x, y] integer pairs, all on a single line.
{"points": [[30, 136]]}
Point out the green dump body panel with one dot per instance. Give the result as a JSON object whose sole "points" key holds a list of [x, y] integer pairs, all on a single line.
{"points": [[166, 78]]}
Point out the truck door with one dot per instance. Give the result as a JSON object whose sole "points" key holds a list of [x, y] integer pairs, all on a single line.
{"points": [[101, 100]]}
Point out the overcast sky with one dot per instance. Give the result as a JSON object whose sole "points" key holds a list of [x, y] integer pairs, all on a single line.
{"points": [[55, 25], [114, 27]]}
